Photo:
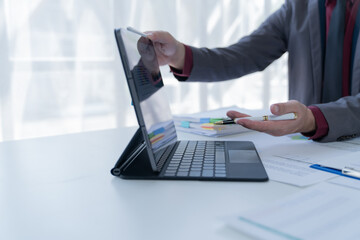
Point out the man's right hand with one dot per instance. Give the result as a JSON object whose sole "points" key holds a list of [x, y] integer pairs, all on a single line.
{"points": [[169, 51]]}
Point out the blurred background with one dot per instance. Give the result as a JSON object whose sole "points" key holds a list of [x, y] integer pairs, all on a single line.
{"points": [[60, 70]]}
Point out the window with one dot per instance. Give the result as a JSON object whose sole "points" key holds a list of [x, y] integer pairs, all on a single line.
{"points": [[61, 72]]}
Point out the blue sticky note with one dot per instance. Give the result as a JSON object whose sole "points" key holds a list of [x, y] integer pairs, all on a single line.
{"points": [[204, 120], [185, 124]]}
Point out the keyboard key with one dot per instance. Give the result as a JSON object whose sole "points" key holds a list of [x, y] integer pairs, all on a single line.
{"points": [[185, 165], [173, 165], [220, 157], [220, 165], [194, 174], [196, 165], [198, 162], [172, 168], [196, 169], [207, 173], [182, 174], [185, 162], [184, 168], [220, 168], [220, 175], [208, 168]]}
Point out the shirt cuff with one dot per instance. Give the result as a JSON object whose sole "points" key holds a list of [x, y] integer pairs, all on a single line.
{"points": [[322, 127], [183, 74]]}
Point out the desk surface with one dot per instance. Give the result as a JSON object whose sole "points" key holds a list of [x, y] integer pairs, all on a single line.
{"points": [[61, 188]]}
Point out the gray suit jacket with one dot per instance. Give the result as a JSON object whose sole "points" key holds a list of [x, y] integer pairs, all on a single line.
{"points": [[295, 28]]}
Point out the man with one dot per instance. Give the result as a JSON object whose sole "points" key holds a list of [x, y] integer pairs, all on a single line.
{"points": [[321, 38]]}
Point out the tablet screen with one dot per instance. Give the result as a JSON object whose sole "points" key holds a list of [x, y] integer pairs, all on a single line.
{"points": [[148, 93]]}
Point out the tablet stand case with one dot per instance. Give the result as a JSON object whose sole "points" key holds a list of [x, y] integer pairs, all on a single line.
{"points": [[134, 162]]}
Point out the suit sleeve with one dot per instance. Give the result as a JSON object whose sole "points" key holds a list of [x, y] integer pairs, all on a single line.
{"points": [[252, 53], [343, 117]]}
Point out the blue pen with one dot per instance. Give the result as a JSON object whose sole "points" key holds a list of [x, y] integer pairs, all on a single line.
{"points": [[346, 171]]}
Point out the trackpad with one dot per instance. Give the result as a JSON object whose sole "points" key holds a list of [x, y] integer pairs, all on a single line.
{"points": [[243, 156]]}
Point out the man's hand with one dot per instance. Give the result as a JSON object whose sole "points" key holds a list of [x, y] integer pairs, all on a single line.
{"points": [[168, 50], [305, 121]]}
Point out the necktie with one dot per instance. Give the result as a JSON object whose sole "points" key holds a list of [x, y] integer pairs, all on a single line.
{"points": [[332, 88]]}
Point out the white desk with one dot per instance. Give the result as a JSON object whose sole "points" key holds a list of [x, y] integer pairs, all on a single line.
{"points": [[61, 188]]}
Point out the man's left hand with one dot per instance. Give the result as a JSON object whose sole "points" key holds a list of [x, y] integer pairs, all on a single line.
{"points": [[305, 121]]}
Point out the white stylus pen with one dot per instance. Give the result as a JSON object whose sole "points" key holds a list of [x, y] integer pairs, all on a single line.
{"points": [[351, 172], [131, 29], [287, 116]]}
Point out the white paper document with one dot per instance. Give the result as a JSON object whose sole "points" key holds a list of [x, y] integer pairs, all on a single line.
{"points": [[293, 172], [325, 211], [351, 145], [346, 160], [288, 161], [346, 182], [312, 152]]}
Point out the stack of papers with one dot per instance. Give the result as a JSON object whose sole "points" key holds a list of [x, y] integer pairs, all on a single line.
{"points": [[203, 123], [287, 159], [206, 126]]}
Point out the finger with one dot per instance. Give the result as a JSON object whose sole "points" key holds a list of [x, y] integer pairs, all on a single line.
{"points": [[255, 125], [283, 108], [158, 36], [152, 35], [235, 114]]}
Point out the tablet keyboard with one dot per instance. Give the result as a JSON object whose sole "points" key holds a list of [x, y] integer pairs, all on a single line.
{"points": [[198, 159]]}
